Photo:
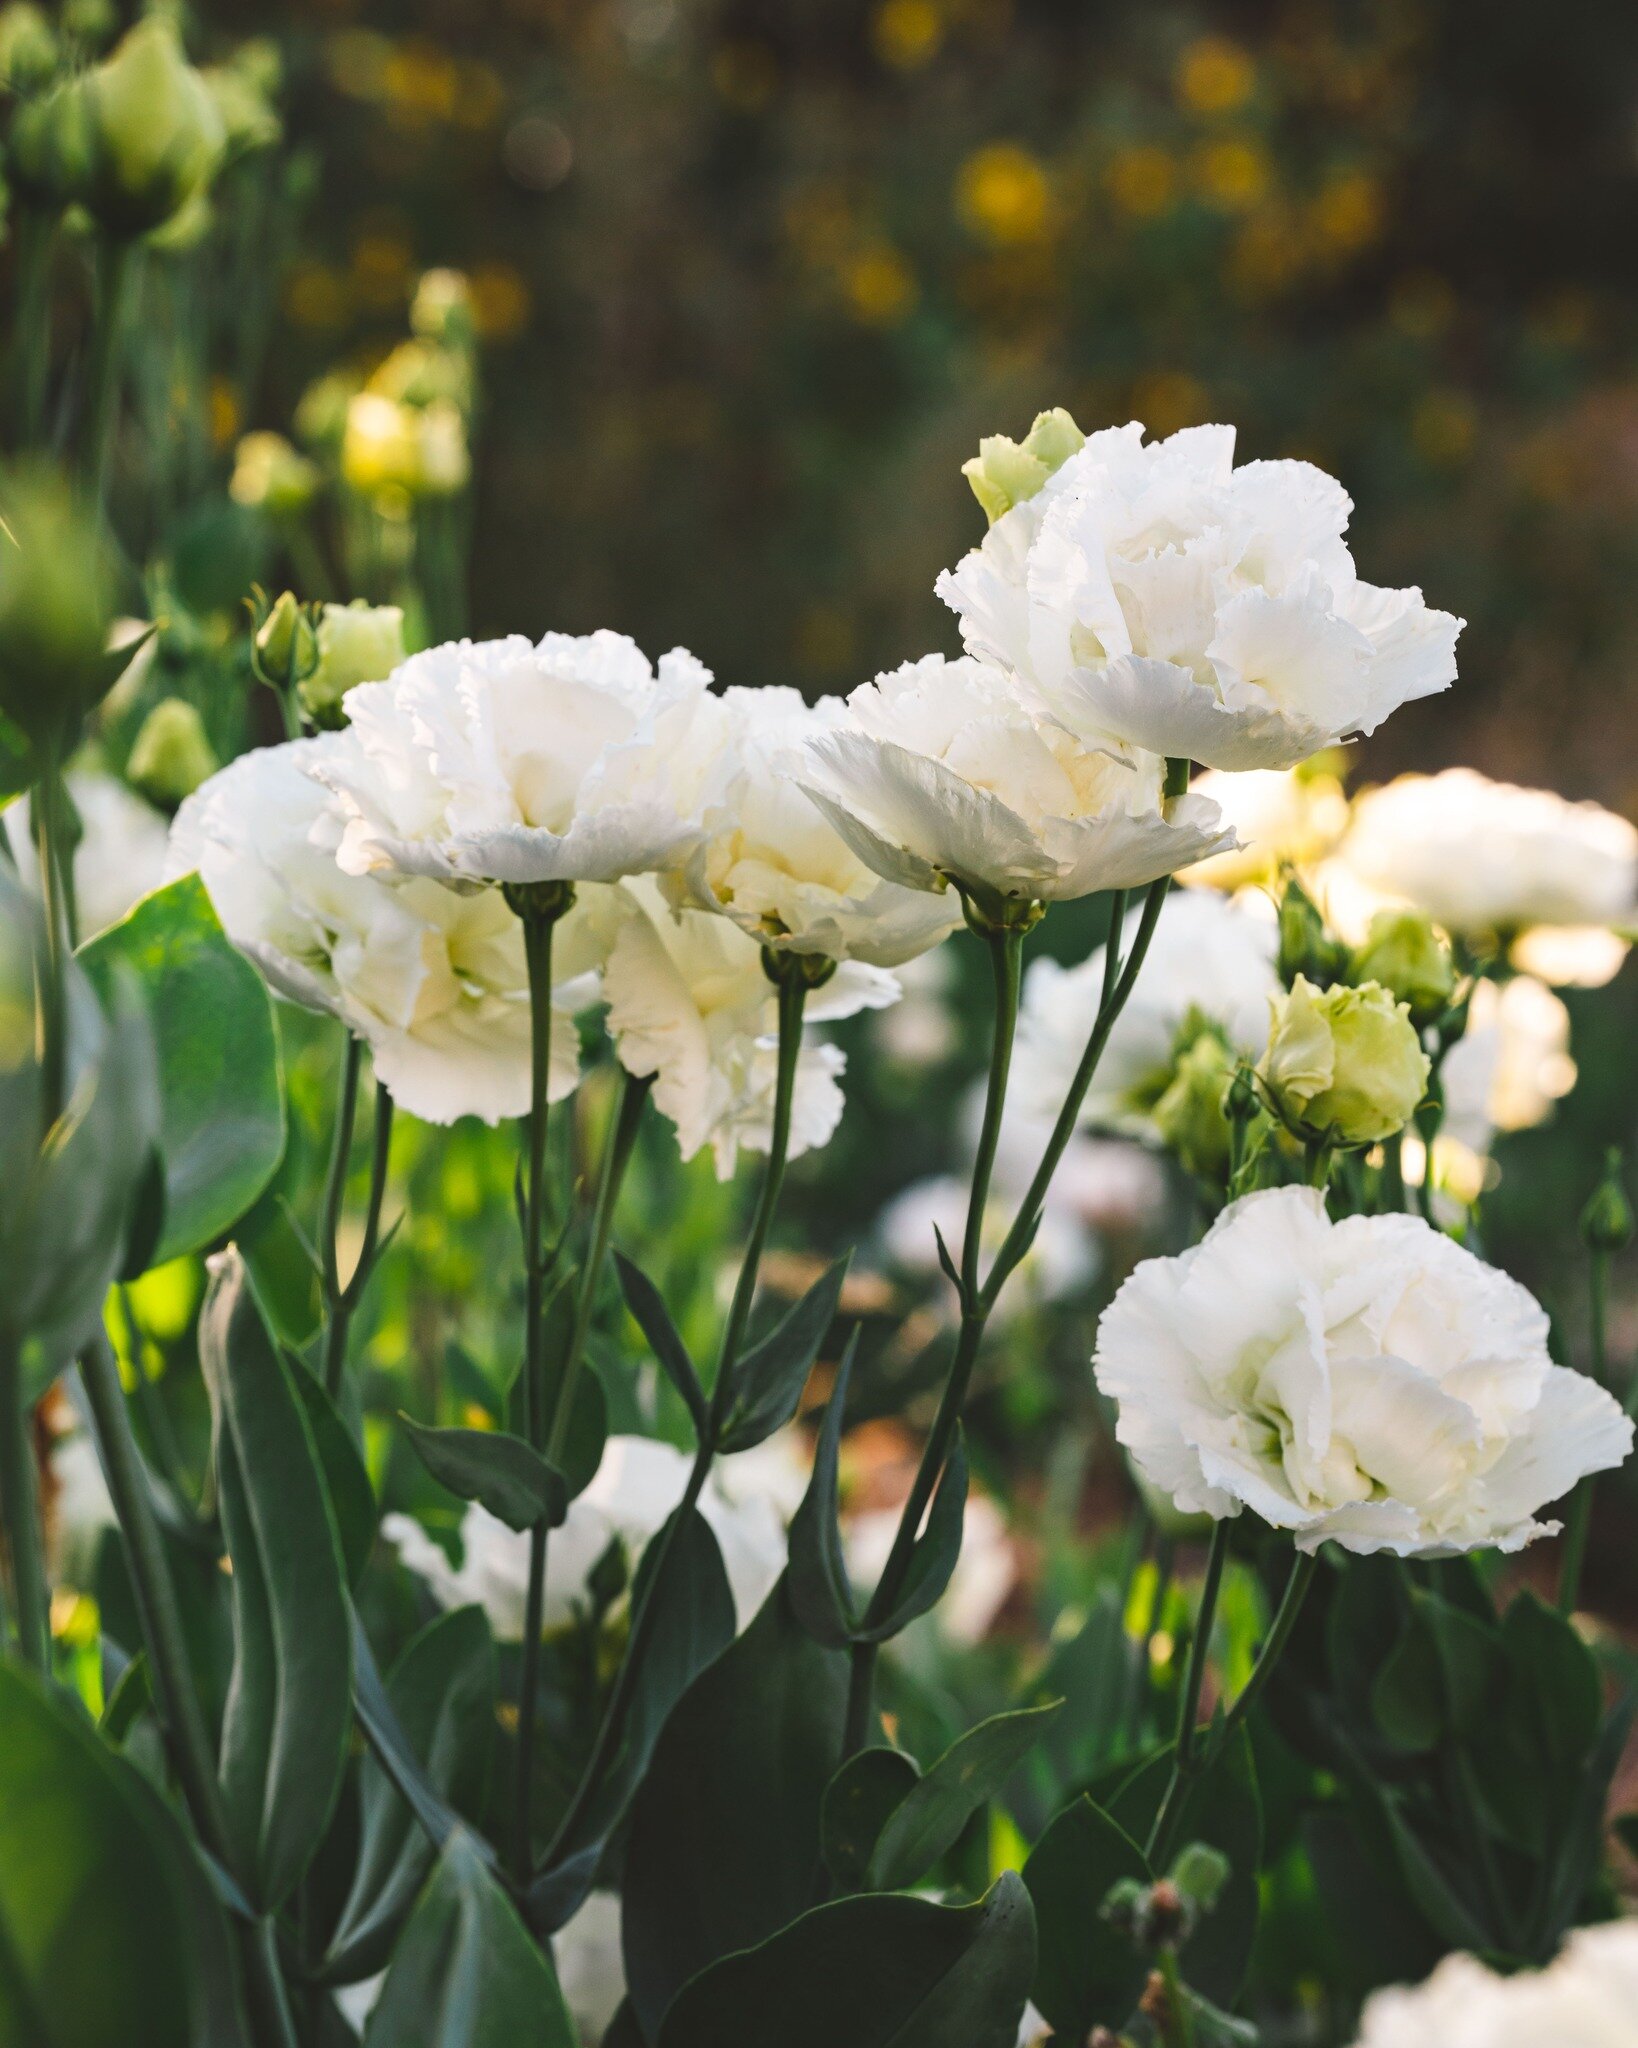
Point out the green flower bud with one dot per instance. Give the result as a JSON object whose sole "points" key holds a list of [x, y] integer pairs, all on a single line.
{"points": [[57, 584], [1306, 948], [172, 754], [1200, 1873], [249, 120], [286, 645], [421, 373], [1191, 1116], [357, 643], [1606, 1222], [28, 48], [271, 475], [49, 161], [90, 23], [156, 132], [1344, 1063], [1404, 952], [321, 411], [260, 62], [1005, 472]]}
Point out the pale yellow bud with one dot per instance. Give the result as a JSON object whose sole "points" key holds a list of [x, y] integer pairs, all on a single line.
{"points": [[172, 754], [156, 133], [1344, 1063], [1005, 473], [272, 475], [357, 643]]}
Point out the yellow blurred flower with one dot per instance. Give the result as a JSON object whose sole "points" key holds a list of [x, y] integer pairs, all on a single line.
{"points": [[906, 33], [1168, 399], [1443, 429], [500, 301], [1348, 213], [224, 412], [881, 287], [421, 83], [745, 72], [1004, 194], [1142, 180], [317, 295], [381, 267], [1233, 174], [1214, 76]]}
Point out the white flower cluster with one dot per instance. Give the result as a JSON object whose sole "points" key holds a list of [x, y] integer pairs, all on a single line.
{"points": [[1586, 1998], [1367, 1382]]}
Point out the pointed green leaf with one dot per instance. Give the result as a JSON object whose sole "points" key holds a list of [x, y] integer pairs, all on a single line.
{"points": [[352, 1498], [465, 1973], [653, 1318], [1089, 1973], [858, 1803], [221, 1130], [971, 1772], [499, 1471], [821, 1597], [937, 1551], [769, 1378], [288, 1717]]}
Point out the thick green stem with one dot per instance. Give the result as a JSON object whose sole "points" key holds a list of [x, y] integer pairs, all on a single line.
{"points": [[1188, 1705], [1578, 1520], [31, 337], [20, 1509], [116, 267], [180, 1713], [793, 991], [537, 944]]}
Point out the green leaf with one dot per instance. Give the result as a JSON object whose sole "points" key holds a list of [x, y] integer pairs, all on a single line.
{"points": [[1088, 1974], [1439, 1678], [352, 1498], [769, 1379], [875, 1972], [442, 1690], [821, 1596], [391, 1747], [588, 1432], [102, 1933], [1222, 1809], [289, 1707], [969, 1774], [653, 1318], [938, 1548], [221, 1132], [500, 1471], [466, 1973], [724, 1840], [1093, 1672], [857, 1805]]}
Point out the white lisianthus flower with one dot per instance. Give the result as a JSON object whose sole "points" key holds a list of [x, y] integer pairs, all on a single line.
{"points": [[120, 854], [499, 761], [1510, 1065], [433, 979], [1586, 1998], [1486, 857], [774, 864], [1285, 817], [1210, 964], [636, 1487], [690, 1003], [943, 775], [1367, 1382], [1157, 597], [590, 1966]]}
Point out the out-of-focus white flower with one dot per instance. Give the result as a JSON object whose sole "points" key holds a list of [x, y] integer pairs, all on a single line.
{"points": [[636, 1487], [1032, 2029], [434, 980], [1157, 597], [985, 1573], [1570, 955], [1487, 857], [1285, 817], [591, 1966], [690, 1004], [921, 1029], [1512, 1063], [121, 850], [1366, 1382], [1586, 1998], [498, 761], [942, 774], [1210, 962], [1061, 1262], [773, 863], [80, 1509]]}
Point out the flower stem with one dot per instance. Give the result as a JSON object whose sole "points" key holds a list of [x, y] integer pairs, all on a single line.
{"points": [[46, 805], [31, 337], [1578, 1520], [538, 926], [20, 1510], [340, 1301], [1184, 1754], [116, 266], [1303, 1567], [793, 992]]}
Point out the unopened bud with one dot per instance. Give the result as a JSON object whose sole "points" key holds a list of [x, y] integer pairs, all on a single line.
{"points": [[172, 753], [1404, 952], [442, 308], [1306, 948], [56, 605], [156, 133], [1005, 472], [28, 48], [270, 474], [1606, 1222], [49, 160], [286, 645], [249, 119], [1344, 1064], [1190, 1114], [1199, 1873], [357, 643]]}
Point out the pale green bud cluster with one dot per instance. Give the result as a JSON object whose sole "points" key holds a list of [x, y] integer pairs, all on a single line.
{"points": [[1191, 1115], [56, 605], [1344, 1064], [357, 643], [156, 133], [1005, 473], [172, 754]]}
